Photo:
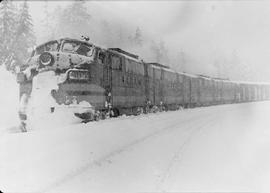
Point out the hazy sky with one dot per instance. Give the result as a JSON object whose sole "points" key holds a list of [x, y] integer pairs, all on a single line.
{"points": [[206, 29]]}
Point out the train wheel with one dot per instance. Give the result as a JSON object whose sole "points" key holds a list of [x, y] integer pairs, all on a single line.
{"points": [[154, 109], [115, 112]]}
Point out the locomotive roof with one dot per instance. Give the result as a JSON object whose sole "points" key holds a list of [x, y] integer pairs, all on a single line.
{"points": [[77, 40], [251, 83], [125, 55], [124, 52]]}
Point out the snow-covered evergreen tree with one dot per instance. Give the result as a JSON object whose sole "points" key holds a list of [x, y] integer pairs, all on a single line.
{"points": [[24, 36], [16, 34], [160, 52], [74, 20], [7, 31]]}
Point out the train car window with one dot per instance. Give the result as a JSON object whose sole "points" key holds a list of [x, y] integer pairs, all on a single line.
{"points": [[84, 50], [116, 63]]}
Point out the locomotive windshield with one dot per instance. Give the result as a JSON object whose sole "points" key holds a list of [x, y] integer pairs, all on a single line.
{"points": [[49, 47], [77, 47]]}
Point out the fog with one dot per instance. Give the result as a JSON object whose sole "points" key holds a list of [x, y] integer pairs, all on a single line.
{"points": [[227, 39]]}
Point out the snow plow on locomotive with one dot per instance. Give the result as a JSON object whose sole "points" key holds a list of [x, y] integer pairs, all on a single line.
{"points": [[96, 83]]}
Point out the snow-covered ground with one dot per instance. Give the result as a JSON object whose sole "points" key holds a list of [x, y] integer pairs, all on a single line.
{"points": [[9, 100], [218, 148]]}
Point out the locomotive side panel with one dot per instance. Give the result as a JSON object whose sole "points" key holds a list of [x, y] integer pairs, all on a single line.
{"points": [[118, 81]]}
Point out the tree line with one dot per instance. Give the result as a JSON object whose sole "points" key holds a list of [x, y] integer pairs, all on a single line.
{"points": [[17, 37]]}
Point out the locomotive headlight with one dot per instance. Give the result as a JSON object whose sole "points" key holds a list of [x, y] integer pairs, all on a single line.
{"points": [[46, 59], [78, 75]]}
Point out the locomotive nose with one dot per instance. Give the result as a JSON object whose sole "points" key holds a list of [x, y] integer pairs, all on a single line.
{"points": [[46, 59]]}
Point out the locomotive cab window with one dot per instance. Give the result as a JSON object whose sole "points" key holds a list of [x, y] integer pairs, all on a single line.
{"points": [[77, 47], [48, 47]]}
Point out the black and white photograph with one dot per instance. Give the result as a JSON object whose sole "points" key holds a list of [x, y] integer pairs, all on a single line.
{"points": [[126, 96]]}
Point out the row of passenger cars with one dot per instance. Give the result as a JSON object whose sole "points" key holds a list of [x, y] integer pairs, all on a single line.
{"points": [[120, 82]]}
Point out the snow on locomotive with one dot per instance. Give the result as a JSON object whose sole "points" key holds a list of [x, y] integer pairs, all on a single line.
{"points": [[94, 83]]}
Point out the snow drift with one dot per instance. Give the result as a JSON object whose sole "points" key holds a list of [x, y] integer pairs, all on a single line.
{"points": [[9, 99], [213, 149], [41, 101]]}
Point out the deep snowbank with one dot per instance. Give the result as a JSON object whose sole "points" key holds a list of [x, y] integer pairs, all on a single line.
{"points": [[9, 99], [218, 148], [41, 101]]}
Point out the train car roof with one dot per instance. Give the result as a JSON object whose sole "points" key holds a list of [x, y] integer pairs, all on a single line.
{"points": [[124, 52], [158, 65], [251, 83]]}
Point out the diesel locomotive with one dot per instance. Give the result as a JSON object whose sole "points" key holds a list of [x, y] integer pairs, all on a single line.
{"points": [[113, 82]]}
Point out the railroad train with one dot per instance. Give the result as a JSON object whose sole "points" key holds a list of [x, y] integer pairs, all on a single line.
{"points": [[117, 82]]}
